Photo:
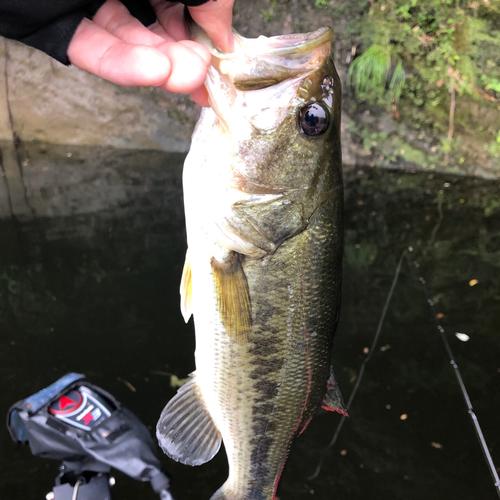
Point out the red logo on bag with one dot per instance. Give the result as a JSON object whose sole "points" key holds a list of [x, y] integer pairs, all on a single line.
{"points": [[67, 403]]}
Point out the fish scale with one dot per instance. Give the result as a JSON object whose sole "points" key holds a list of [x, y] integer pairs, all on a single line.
{"points": [[263, 201]]}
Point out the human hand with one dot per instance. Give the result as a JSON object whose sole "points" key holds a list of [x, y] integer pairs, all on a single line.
{"points": [[118, 47]]}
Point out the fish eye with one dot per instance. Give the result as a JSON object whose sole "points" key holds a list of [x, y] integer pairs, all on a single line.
{"points": [[313, 119]]}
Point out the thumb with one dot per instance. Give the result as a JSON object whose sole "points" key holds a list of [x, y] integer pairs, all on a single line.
{"points": [[215, 17]]}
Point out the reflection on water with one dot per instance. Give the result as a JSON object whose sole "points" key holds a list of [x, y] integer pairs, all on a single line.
{"points": [[90, 284]]}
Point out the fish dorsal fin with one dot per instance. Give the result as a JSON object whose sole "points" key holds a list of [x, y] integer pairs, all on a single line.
{"points": [[186, 290], [233, 297], [186, 431], [333, 399]]}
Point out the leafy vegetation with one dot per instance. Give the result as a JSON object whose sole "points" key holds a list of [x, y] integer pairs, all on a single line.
{"points": [[494, 147], [269, 13], [430, 54], [371, 71]]}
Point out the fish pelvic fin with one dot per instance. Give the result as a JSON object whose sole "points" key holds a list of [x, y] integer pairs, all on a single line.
{"points": [[226, 493], [222, 494], [186, 290], [333, 400], [186, 431], [233, 297]]}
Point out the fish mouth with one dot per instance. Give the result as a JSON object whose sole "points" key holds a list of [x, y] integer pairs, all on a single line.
{"points": [[257, 63], [292, 46]]}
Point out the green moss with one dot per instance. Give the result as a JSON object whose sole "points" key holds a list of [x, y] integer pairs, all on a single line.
{"points": [[491, 205], [269, 12], [442, 47]]}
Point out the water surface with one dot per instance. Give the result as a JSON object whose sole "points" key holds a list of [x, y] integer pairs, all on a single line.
{"points": [[89, 283]]}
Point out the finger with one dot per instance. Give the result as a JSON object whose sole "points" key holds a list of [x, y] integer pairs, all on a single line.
{"points": [[157, 28], [189, 68], [171, 17], [215, 17], [115, 18], [95, 50], [200, 49], [200, 96]]}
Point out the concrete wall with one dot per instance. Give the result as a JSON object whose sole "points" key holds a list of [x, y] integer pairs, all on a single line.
{"points": [[64, 132], [52, 103]]}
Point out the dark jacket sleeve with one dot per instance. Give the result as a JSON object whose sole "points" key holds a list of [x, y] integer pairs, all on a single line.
{"points": [[49, 25]]}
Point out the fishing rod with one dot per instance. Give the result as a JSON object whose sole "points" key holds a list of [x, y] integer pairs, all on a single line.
{"points": [[465, 394], [472, 414]]}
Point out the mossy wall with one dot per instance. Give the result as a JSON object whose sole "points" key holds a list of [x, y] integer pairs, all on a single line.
{"points": [[43, 101]]}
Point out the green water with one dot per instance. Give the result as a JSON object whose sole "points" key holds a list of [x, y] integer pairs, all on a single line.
{"points": [[93, 288]]}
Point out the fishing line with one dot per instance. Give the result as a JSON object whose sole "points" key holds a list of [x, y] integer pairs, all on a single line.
{"points": [[362, 369], [475, 421], [442, 333]]}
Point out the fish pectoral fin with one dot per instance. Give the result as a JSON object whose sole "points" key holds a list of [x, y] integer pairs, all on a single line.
{"points": [[233, 297], [333, 399], [186, 431], [186, 290]]}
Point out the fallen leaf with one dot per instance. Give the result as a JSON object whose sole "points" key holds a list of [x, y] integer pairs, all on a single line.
{"points": [[473, 282], [176, 382], [127, 383]]}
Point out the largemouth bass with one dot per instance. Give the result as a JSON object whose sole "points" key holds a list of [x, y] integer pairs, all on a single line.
{"points": [[263, 202]]}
